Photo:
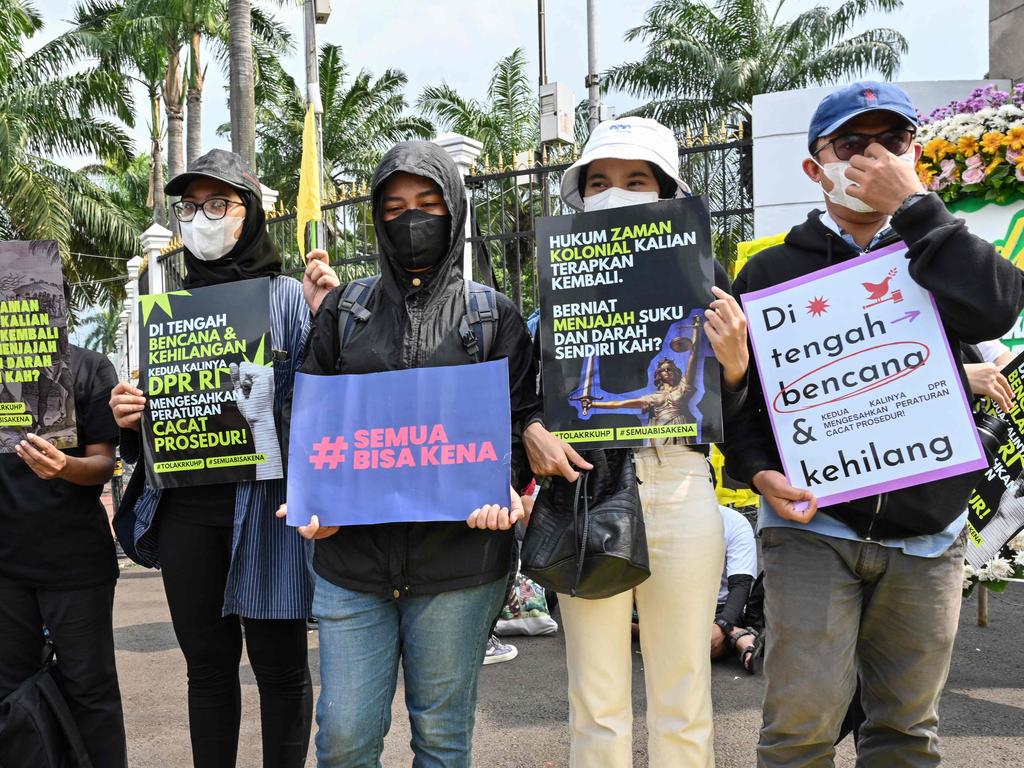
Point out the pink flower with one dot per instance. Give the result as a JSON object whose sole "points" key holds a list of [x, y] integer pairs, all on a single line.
{"points": [[1012, 155], [974, 175], [948, 167], [938, 184], [975, 161]]}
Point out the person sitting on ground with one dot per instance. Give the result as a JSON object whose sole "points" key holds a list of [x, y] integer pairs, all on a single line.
{"points": [[738, 617]]}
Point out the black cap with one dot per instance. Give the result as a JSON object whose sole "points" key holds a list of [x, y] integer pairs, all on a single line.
{"points": [[221, 165]]}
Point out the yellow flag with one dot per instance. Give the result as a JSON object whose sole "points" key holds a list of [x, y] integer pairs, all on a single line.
{"points": [[308, 208]]}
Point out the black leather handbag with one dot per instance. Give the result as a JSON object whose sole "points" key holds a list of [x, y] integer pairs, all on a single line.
{"points": [[587, 539]]}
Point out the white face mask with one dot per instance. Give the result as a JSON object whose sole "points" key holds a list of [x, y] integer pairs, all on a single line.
{"points": [[613, 197], [209, 240], [839, 194]]}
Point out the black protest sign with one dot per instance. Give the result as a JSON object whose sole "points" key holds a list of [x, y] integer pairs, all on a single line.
{"points": [[625, 358], [996, 509], [37, 391], [207, 370]]}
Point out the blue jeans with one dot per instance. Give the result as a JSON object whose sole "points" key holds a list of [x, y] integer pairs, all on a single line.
{"points": [[440, 640]]}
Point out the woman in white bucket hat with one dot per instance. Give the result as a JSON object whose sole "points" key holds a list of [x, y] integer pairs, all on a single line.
{"points": [[632, 161]]}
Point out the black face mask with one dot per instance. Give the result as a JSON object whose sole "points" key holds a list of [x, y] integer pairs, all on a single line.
{"points": [[420, 239]]}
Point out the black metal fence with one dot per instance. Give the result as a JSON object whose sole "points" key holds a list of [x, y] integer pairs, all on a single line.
{"points": [[503, 208]]}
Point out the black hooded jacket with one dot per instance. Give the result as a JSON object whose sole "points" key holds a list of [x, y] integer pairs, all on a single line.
{"points": [[979, 295], [416, 328]]}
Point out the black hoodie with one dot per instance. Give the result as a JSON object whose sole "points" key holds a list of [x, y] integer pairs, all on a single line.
{"points": [[979, 295], [418, 327]]}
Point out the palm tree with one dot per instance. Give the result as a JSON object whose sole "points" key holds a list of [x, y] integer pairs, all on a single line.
{"points": [[106, 324], [242, 101], [47, 113], [99, 29], [362, 118], [507, 123], [705, 61]]}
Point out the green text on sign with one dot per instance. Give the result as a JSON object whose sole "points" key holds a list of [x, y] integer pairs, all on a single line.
{"points": [[657, 430], [236, 461], [181, 465], [585, 435]]}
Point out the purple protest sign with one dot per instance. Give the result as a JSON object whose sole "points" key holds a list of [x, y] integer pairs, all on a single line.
{"points": [[417, 445], [860, 383]]}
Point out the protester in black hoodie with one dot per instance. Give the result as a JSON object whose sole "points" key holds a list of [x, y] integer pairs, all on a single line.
{"points": [[424, 594], [871, 585]]}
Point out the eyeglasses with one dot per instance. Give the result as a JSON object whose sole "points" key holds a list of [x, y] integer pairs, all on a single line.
{"points": [[896, 140], [214, 209]]}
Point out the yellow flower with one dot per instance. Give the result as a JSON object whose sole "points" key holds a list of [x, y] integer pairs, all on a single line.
{"points": [[992, 141], [938, 148], [1015, 138], [925, 174], [993, 165], [1019, 162], [968, 145]]}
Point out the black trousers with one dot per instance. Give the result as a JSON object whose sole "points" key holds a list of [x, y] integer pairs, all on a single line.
{"points": [[81, 627], [195, 561]]}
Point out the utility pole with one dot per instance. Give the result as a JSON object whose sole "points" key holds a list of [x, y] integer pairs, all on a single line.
{"points": [[313, 86], [593, 82], [542, 43]]}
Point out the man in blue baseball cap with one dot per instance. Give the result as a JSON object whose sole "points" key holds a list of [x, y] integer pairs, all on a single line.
{"points": [[867, 588]]}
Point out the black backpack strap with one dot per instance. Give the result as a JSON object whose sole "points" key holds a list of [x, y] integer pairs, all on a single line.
{"points": [[352, 307], [479, 325]]}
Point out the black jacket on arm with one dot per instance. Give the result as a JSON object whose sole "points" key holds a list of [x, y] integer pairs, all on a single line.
{"points": [[418, 327], [979, 295]]}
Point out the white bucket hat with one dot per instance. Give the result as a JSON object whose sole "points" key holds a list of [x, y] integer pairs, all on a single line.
{"points": [[628, 138]]}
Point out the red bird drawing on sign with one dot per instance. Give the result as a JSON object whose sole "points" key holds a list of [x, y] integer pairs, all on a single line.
{"points": [[877, 292]]}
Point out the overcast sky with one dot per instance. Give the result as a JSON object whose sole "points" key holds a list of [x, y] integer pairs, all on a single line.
{"points": [[459, 41]]}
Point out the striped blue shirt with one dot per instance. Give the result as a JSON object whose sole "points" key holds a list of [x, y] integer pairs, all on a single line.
{"points": [[269, 576]]}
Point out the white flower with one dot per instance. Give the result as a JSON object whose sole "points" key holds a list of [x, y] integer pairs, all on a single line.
{"points": [[998, 569], [1017, 542], [1019, 559], [970, 574], [1011, 112]]}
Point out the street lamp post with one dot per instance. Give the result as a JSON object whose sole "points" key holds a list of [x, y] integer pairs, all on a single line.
{"points": [[593, 82]]}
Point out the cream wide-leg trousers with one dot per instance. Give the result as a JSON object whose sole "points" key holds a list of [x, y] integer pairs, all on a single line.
{"points": [[676, 606]]}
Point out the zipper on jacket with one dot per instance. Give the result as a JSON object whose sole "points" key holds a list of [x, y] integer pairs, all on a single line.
{"points": [[878, 511]]}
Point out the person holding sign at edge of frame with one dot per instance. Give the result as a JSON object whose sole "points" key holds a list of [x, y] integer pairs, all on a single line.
{"points": [[871, 585], [423, 594], [227, 561], [58, 567], [632, 161]]}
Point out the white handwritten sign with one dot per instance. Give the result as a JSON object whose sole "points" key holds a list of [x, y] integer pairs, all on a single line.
{"points": [[859, 380]]}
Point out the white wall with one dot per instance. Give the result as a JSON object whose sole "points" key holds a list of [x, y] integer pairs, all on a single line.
{"points": [[782, 193]]}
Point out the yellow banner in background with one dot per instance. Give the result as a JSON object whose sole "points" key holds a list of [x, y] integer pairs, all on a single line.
{"points": [[748, 248]]}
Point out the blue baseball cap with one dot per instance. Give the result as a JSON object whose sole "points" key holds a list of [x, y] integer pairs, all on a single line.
{"points": [[855, 99]]}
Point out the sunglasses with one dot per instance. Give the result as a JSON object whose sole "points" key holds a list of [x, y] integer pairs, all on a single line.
{"points": [[896, 140]]}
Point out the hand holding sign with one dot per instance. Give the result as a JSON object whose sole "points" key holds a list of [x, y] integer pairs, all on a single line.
{"points": [[127, 404], [313, 530], [42, 457], [494, 517], [788, 502], [726, 328], [318, 280]]}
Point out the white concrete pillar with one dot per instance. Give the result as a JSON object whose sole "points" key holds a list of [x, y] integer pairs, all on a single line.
{"points": [[270, 198], [154, 240], [465, 152], [132, 302]]}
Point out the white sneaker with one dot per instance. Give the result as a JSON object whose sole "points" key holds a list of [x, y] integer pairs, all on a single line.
{"points": [[498, 652]]}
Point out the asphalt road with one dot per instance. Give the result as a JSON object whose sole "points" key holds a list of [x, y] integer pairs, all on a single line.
{"points": [[522, 710]]}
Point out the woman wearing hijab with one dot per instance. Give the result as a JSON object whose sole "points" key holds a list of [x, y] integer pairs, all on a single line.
{"points": [[632, 161], [227, 561], [420, 594]]}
